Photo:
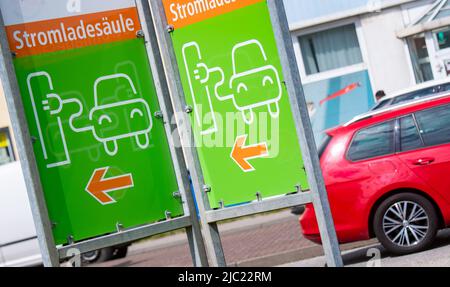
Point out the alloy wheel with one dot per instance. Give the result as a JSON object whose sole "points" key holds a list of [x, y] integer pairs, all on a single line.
{"points": [[406, 223]]}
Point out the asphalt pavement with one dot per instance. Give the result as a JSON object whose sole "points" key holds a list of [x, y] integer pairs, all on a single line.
{"points": [[376, 256], [275, 239], [261, 241], [248, 241]]}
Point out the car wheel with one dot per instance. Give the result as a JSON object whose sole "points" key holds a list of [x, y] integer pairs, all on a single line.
{"points": [[120, 252], [298, 210], [98, 256], [406, 223]]}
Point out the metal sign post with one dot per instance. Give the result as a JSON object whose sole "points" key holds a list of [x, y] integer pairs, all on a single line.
{"points": [[209, 55], [210, 233], [305, 133], [109, 173], [195, 238]]}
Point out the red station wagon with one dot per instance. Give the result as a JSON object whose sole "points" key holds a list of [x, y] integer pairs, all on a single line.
{"points": [[387, 175]]}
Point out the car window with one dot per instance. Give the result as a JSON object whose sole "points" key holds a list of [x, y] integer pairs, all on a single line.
{"points": [[431, 91], [373, 142], [419, 94], [382, 104], [414, 95], [434, 125], [409, 134]]}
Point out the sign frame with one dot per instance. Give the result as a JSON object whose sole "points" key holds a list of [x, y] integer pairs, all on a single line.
{"points": [[52, 254], [317, 194]]}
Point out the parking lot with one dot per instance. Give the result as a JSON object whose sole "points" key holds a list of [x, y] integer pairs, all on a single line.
{"points": [[275, 240], [264, 241], [375, 255]]}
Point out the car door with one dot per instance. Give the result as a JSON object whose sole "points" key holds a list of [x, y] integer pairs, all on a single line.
{"points": [[19, 245], [370, 163], [425, 147]]}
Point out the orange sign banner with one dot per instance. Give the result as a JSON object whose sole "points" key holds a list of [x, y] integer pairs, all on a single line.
{"points": [[73, 32], [181, 13]]}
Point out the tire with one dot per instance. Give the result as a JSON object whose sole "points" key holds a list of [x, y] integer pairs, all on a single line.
{"points": [[120, 252], [98, 256], [298, 210], [401, 234]]}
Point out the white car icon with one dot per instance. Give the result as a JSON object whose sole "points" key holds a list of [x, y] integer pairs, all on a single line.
{"points": [[118, 120], [254, 82]]}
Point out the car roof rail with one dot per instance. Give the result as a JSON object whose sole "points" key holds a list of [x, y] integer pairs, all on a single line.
{"points": [[418, 87]]}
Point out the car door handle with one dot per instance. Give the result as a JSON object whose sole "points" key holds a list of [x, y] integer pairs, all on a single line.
{"points": [[424, 161]]}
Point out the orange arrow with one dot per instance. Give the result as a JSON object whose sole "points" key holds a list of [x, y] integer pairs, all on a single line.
{"points": [[241, 153], [99, 187]]}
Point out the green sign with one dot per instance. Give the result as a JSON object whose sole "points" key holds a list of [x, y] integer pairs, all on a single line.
{"points": [[103, 157], [232, 78]]}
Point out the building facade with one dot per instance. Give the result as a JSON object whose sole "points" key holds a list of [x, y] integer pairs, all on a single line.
{"points": [[7, 150], [348, 50]]}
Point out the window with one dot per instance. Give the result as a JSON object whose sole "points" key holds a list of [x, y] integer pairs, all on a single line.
{"points": [[444, 11], [434, 125], [420, 58], [373, 142], [443, 39], [6, 153], [332, 49], [409, 134]]}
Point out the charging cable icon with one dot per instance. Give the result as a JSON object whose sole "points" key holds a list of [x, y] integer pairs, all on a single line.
{"points": [[49, 155]]}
